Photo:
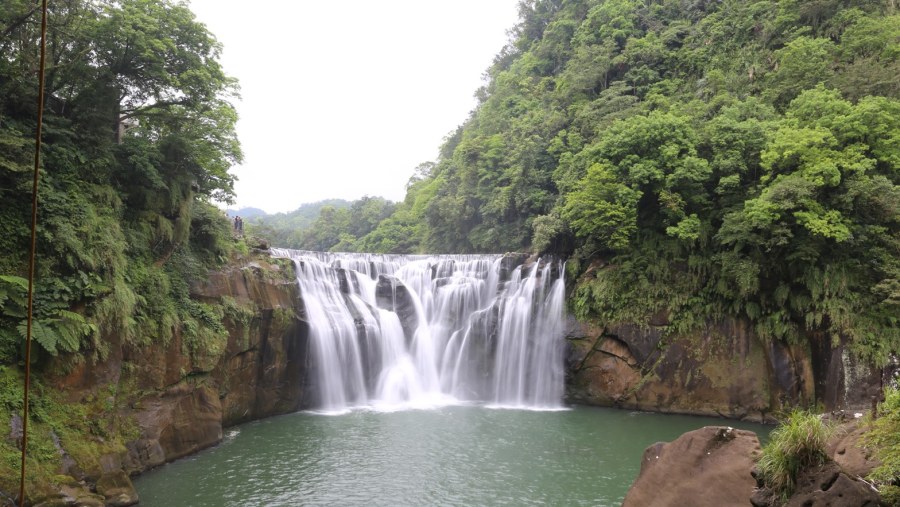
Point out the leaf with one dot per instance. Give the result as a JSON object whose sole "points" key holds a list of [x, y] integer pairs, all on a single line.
{"points": [[16, 312], [71, 328], [42, 334], [70, 316], [69, 336], [15, 280]]}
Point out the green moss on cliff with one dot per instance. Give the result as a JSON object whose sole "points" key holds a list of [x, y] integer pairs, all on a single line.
{"points": [[63, 437]]}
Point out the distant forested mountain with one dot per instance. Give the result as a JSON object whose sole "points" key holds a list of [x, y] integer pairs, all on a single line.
{"points": [[286, 229], [333, 224], [246, 212]]}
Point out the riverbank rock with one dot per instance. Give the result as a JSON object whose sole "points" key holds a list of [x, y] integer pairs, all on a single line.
{"points": [[117, 489], [63, 491], [846, 449], [708, 467], [829, 485]]}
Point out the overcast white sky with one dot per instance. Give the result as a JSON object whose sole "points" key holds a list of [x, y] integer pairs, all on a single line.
{"points": [[342, 99]]}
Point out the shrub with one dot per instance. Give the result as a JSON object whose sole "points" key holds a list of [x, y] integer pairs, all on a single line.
{"points": [[795, 445], [883, 437]]}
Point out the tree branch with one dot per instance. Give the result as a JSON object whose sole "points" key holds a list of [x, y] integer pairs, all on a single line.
{"points": [[17, 23], [140, 110]]}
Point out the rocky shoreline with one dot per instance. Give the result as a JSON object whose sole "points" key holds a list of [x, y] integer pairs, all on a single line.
{"points": [[683, 471]]}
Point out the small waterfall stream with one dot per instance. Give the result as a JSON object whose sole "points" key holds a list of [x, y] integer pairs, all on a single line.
{"points": [[405, 331]]}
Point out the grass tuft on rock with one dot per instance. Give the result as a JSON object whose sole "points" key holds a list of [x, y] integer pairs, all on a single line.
{"points": [[797, 444]]}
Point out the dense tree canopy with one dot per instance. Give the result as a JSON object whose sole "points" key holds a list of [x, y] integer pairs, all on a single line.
{"points": [[138, 138]]}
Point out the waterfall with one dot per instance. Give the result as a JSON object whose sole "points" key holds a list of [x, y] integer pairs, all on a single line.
{"points": [[411, 331]]}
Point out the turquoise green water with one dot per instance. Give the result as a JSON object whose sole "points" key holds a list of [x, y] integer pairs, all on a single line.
{"points": [[448, 456]]}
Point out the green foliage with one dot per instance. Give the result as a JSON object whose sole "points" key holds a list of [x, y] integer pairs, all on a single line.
{"points": [[883, 438], [634, 288], [815, 166], [797, 444], [603, 209], [87, 430], [138, 138], [210, 237], [802, 63], [53, 327], [549, 230]]}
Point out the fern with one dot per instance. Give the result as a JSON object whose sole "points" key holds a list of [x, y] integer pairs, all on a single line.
{"points": [[44, 335], [13, 298], [15, 280], [71, 328]]}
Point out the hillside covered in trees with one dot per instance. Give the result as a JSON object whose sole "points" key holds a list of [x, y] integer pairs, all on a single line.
{"points": [[331, 224], [704, 158], [138, 141]]}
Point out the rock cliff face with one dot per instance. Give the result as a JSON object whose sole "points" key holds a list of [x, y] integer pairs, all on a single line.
{"points": [[181, 395], [724, 369]]}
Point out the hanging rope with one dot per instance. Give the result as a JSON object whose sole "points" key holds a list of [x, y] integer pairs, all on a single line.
{"points": [[34, 194]]}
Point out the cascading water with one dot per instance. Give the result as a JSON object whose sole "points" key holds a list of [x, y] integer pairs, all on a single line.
{"points": [[398, 331]]}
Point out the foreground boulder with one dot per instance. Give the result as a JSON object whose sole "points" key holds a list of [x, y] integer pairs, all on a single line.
{"points": [[705, 467]]}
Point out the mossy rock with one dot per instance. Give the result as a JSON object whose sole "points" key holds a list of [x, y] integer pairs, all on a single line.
{"points": [[64, 490], [55, 501], [90, 500], [117, 488]]}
